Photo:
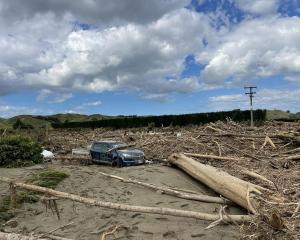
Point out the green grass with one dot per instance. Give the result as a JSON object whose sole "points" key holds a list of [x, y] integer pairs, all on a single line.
{"points": [[22, 197], [48, 179]]}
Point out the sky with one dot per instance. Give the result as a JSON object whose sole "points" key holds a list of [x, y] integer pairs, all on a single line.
{"points": [[138, 57]]}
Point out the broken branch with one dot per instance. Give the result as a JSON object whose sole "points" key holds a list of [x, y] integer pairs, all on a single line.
{"points": [[172, 192]]}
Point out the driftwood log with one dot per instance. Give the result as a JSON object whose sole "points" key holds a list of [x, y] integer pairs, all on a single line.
{"points": [[172, 192], [210, 156], [124, 207], [234, 189]]}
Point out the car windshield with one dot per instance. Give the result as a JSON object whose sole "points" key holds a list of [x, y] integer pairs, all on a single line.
{"points": [[118, 145]]}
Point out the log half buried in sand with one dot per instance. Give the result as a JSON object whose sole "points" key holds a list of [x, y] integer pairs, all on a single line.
{"points": [[210, 157], [131, 208], [234, 189]]}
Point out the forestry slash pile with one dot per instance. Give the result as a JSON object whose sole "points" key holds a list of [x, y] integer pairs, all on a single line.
{"points": [[256, 168]]}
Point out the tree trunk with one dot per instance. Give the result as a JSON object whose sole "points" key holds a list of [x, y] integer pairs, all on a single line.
{"points": [[232, 188], [124, 207], [210, 156]]}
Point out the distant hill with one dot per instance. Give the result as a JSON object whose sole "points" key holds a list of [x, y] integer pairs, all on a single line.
{"points": [[3, 123], [279, 114], [40, 121]]}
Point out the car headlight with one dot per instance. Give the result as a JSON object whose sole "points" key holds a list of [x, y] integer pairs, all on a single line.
{"points": [[126, 155]]}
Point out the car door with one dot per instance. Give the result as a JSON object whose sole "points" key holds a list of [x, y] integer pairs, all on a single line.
{"points": [[103, 150], [95, 151]]}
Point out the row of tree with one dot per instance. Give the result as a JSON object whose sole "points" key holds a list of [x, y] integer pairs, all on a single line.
{"points": [[166, 120]]}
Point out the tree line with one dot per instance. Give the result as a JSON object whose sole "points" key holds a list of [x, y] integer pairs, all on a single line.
{"points": [[166, 120]]}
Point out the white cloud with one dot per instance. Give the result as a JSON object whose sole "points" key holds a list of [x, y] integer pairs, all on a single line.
{"points": [[87, 105], [130, 57], [9, 110], [227, 98], [161, 97], [258, 6], [97, 12], [93, 104], [53, 97], [256, 48], [264, 99], [141, 49], [294, 78]]}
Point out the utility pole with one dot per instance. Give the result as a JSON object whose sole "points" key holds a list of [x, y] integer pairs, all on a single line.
{"points": [[251, 96]]}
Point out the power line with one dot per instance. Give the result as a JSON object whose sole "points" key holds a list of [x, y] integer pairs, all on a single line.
{"points": [[251, 96]]}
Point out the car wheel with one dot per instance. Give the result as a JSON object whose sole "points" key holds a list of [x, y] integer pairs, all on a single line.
{"points": [[119, 163], [114, 163]]}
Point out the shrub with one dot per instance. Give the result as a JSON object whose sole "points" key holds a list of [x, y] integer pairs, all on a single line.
{"points": [[20, 125], [19, 151], [48, 179]]}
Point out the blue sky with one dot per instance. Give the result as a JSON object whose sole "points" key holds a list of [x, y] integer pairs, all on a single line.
{"points": [[133, 58]]}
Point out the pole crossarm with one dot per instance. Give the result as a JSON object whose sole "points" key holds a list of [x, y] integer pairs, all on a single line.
{"points": [[251, 94]]}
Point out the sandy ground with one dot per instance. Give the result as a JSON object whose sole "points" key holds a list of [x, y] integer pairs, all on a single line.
{"points": [[89, 222]]}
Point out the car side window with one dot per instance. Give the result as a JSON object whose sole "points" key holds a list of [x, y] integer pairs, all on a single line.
{"points": [[97, 146], [101, 147]]}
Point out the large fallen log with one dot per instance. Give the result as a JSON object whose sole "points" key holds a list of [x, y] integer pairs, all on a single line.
{"points": [[234, 189], [124, 207], [172, 192], [210, 156]]}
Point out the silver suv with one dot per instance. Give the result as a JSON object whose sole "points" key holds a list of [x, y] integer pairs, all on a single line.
{"points": [[116, 153]]}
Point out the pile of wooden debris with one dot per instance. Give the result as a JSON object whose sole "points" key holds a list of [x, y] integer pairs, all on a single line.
{"points": [[256, 168]]}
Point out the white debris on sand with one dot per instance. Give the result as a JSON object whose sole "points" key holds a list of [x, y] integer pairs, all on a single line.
{"points": [[47, 154]]}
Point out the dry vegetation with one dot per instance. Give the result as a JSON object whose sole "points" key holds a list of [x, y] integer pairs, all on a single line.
{"points": [[267, 156], [254, 153]]}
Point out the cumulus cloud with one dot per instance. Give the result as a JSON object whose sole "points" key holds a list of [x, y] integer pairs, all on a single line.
{"points": [[293, 78], [53, 97], [161, 97], [130, 57], [7, 111], [85, 106], [91, 11], [62, 47], [256, 48], [258, 6], [89, 104], [93, 104], [265, 99]]}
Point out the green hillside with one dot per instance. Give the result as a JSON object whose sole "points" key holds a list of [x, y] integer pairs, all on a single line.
{"points": [[279, 114], [41, 121], [3, 123]]}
